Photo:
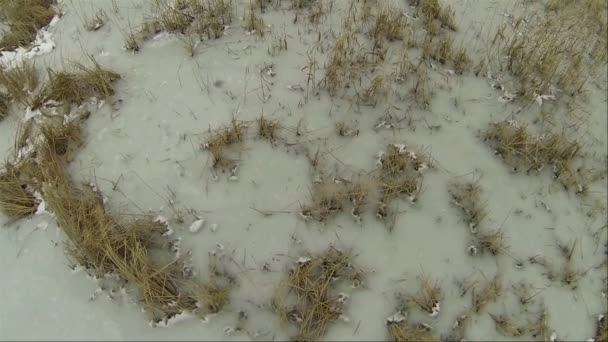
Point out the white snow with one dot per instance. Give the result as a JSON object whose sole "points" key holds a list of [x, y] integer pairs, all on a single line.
{"points": [[43, 44], [197, 225]]}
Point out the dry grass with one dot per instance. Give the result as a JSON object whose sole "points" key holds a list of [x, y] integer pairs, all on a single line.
{"points": [[346, 61], [467, 197], [435, 16], [252, 22], [4, 106], [16, 198], [506, 327], [220, 139], [401, 172], [488, 294], [460, 327], [428, 297], [378, 88], [20, 82], [400, 331], [327, 199], [492, 242], [308, 298], [199, 17], [559, 49], [61, 138], [601, 332], [540, 328], [390, 25], [95, 22], [81, 84], [267, 128], [422, 91], [24, 18], [523, 150], [104, 245]]}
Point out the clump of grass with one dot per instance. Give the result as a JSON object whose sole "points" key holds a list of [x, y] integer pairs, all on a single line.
{"points": [[95, 22], [218, 140], [429, 296], [540, 328], [401, 172], [328, 199], [346, 62], [556, 50], [16, 198], [506, 326], [378, 87], [24, 18], [492, 242], [523, 150], [467, 197], [309, 299], [252, 22], [601, 332], [267, 129], [434, 15], [389, 26], [85, 82], [4, 105], [422, 90], [459, 329], [358, 193], [102, 244], [200, 17], [492, 290], [61, 137], [20, 82], [345, 129], [401, 331]]}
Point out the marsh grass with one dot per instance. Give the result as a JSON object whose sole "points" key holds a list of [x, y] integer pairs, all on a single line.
{"points": [[401, 331], [491, 291], [435, 16], [601, 330], [60, 137], [556, 51], [204, 18], [523, 150], [309, 299], [429, 295], [104, 245], [4, 106], [268, 129], [327, 199], [96, 21], [82, 83], [252, 22], [220, 139], [16, 200], [346, 61], [492, 242], [467, 197], [401, 172], [20, 82], [24, 18], [506, 327]]}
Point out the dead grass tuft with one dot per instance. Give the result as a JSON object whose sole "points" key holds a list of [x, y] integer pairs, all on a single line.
{"points": [[253, 22], [558, 50], [328, 199], [75, 87], [308, 298], [204, 18], [218, 140], [428, 297], [95, 22], [4, 106], [488, 294], [467, 197], [401, 172], [400, 331], [104, 245], [16, 198], [601, 332], [434, 15], [492, 242], [506, 327], [389, 26], [267, 129], [62, 137], [24, 18], [540, 328], [522, 150], [20, 82]]}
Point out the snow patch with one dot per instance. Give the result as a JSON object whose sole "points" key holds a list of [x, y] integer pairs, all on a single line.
{"points": [[42, 44]]}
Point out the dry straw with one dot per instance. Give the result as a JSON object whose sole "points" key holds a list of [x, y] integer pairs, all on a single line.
{"points": [[308, 298], [23, 18]]}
